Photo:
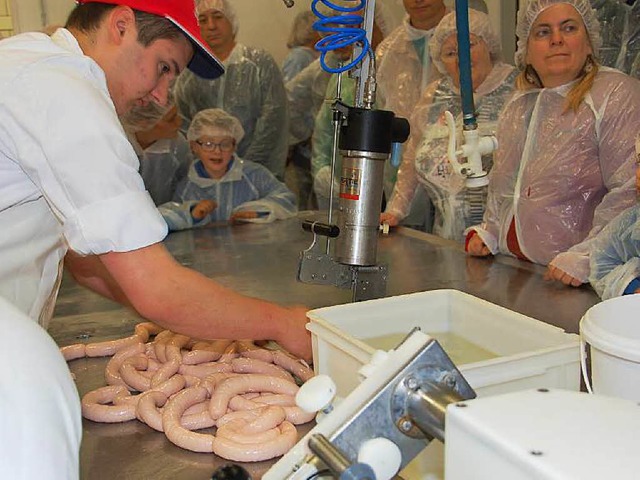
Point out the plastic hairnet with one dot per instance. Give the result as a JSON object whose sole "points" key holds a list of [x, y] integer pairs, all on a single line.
{"points": [[223, 6], [479, 25], [528, 14], [302, 31], [214, 122]]}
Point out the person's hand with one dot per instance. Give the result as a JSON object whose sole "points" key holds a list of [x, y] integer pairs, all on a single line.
{"points": [[239, 217], [202, 209], [296, 339], [389, 218], [477, 248], [555, 274]]}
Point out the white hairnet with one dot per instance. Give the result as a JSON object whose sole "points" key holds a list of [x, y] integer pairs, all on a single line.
{"points": [[528, 14], [214, 122], [479, 25], [222, 6], [302, 31]]}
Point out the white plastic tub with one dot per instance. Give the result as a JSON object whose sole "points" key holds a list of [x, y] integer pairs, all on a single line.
{"points": [[527, 353]]}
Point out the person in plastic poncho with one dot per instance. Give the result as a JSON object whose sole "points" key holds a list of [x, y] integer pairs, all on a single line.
{"points": [[222, 187], [615, 256], [69, 183], [251, 89], [302, 40], [425, 160], [163, 151], [564, 166]]}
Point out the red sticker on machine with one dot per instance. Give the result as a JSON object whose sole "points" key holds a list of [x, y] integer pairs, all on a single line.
{"points": [[350, 184]]}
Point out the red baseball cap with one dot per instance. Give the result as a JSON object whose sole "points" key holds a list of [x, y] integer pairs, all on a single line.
{"points": [[182, 13]]}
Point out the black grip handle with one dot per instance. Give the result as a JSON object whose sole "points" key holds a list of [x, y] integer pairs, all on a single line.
{"points": [[319, 228]]}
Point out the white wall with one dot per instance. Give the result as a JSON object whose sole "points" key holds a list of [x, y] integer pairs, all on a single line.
{"points": [[263, 23]]}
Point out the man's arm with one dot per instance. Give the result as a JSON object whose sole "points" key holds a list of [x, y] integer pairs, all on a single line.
{"points": [[187, 302]]}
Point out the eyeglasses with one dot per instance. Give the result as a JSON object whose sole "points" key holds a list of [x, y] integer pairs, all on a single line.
{"points": [[224, 146], [452, 54]]}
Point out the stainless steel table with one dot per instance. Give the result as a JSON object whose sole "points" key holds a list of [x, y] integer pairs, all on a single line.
{"points": [[262, 261]]}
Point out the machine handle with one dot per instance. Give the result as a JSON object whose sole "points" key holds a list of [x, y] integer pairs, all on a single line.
{"points": [[319, 228]]}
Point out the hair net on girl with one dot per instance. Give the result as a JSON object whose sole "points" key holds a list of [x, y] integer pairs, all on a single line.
{"points": [[215, 122], [222, 6], [527, 16], [560, 176], [479, 25]]}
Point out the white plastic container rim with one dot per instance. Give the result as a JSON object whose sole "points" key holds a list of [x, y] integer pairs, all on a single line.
{"points": [[616, 312]]}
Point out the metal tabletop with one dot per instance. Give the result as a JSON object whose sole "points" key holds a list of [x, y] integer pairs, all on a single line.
{"points": [[261, 260]]}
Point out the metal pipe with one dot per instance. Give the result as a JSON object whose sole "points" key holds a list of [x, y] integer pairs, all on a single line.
{"points": [[427, 409], [464, 64]]}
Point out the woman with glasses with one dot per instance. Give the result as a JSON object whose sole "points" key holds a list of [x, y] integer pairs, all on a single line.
{"points": [[220, 186], [425, 160], [565, 164]]}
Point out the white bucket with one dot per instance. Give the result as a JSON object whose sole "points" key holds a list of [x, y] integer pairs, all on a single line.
{"points": [[612, 329]]}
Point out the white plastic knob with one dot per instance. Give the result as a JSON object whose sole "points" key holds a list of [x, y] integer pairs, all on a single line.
{"points": [[316, 393], [384, 227], [382, 455]]}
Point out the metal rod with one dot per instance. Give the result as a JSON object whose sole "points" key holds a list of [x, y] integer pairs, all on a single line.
{"points": [[330, 455]]}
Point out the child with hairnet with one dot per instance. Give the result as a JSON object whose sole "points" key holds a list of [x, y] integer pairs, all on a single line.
{"points": [[615, 255], [220, 186]]}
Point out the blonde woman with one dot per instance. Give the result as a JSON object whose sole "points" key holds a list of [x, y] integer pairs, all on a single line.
{"points": [[565, 165]]}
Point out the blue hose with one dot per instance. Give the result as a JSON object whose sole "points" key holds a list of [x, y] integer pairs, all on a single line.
{"points": [[342, 31], [464, 62]]}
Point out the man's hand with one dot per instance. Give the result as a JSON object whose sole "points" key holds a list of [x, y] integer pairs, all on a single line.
{"points": [[203, 208], [295, 338], [555, 274], [477, 248]]}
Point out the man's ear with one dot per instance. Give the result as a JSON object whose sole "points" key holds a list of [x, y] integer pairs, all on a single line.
{"points": [[121, 20]]}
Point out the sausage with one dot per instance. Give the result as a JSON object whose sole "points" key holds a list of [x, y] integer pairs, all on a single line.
{"points": [[129, 371], [95, 405], [146, 329], [249, 349], [230, 449], [171, 386], [160, 344], [147, 408], [112, 371], [252, 365], [294, 414], [230, 387], [248, 422], [166, 371], [175, 432], [71, 352], [202, 370], [110, 347], [293, 365]]}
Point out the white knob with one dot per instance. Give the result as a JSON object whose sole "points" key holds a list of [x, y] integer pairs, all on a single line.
{"points": [[382, 455], [316, 393], [384, 227]]}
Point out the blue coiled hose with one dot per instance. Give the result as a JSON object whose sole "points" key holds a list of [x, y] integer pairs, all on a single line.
{"points": [[341, 31]]}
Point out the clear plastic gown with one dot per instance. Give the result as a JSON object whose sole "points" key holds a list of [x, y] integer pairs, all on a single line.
{"points": [[562, 176], [252, 90]]}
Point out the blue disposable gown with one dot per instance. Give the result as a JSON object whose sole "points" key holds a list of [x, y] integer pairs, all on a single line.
{"points": [[615, 255], [247, 186], [252, 90]]}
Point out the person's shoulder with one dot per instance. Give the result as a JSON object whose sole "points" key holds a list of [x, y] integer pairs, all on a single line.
{"points": [[258, 55], [611, 83], [392, 41]]}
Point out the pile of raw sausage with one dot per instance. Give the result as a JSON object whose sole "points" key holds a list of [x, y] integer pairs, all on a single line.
{"points": [[246, 392]]}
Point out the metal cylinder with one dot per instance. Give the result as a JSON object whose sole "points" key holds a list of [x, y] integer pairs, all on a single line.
{"points": [[361, 185]]}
